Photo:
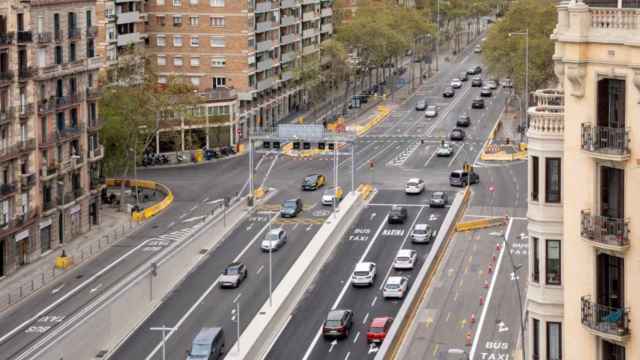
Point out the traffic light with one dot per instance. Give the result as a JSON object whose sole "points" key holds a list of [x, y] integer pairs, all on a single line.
{"points": [[276, 145], [266, 145], [296, 145], [306, 145], [321, 146], [332, 146]]}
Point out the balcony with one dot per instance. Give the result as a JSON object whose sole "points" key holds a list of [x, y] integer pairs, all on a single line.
{"points": [[6, 115], [288, 4], [65, 166], [605, 232], [596, 24], [287, 75], [127, 39], [24, 110], [27, 181], [265, 45], [77, 161], [96, 154], [219, 94], [6, 39], [265, 84], [547, 115], [309, 32], [604, 321], [326, 28], [327, 11], [74, 33], [265, 64], [24, 37], [93, 93], [95, 124], [42, 37], [69, 100], [7, 190], [49, 204], [289, 56], [309, 2], [289, 38], [265, 26], [5, 78], [69, 133], [58, 36], [92, 31], [25, 73], [128, 17], [289, 20], [263, 6], [606, 143], [310, 49], [310, 16], [67, 197], [48, 172]]}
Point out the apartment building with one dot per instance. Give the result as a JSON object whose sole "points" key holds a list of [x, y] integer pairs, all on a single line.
{"points": [[49, 147], [583, 202], [120, 25]]}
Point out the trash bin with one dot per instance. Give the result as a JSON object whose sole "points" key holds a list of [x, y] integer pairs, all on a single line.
{"points": [[199, 155]]}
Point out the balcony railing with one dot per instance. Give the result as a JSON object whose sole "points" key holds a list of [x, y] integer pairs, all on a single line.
{"points": [[67, 197], [605, 321], [58, 35], [606, 142], [42, 37], [12, 151], [74, 33], [611, 233], [6, 115], [78, 192], [8, 189], [96, 154], [65, 166], [48, 172], [7, 39], [219, 94], [6, 77], [95, 124], [93, 93], [49, 204], [27, 181], [24, 37], [25, 73]]}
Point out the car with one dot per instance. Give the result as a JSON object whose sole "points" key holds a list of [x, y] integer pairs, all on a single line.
{"points": [[438, 199], [492, 84], [405, 259], [422, 234], [476, 81], [485, 91], [414, 186], [233, 275], [477, 49], [463, 76], [395, 287], [378, 329], [397, 215], [457, 134], [208, 344], [456, 83], [474, 70], [477, 103], [448, 92], [463, 178], [364, 274], [444, 150], [291, 208], [313, 182], [332, 193], [421, 105], [464, 120], [432, 111], [274, 240], [506, 82], [338, 324]]}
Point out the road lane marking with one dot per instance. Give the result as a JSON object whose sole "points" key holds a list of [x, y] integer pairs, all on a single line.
{"points": [[235, 300], [95, 288], [182, 216], [373, 303], [344, 288], [192, 219], [435, 349], [54, 291], [356, 338], [346, 357], [456, 155], [260, 269], [366, 162], [448, 316], [193, 208], [171, 224], [433, 154], [266, 176], [366, 316]]}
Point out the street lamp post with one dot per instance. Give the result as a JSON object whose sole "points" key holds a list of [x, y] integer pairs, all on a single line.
{"points": [[164, 330], [437, 32], [526, 76]]}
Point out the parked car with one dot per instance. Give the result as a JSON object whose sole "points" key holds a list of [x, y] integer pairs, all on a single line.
{"points": [[448, 92], [485, 92], [395, 287], [457, 134], [421, 105], [405, 259], [378, 329], [456, 83], [397, 215], [464, 120], [492, 84], [444, 150], [477, 103], [233, 275], [506, 82], [477, 49], [313, 182], [422, 233], [338, 323], [364, 274], [274, 240], [476, 81], [438, 199], [432, 111], [291, 208], [463, 178], [414, 186]]}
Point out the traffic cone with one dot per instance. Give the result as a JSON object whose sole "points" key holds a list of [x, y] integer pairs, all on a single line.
{"points": [[490, 270], [481, 300], [473, 319], [468, 339], [486, 284], [493, 259], [497, 246]]}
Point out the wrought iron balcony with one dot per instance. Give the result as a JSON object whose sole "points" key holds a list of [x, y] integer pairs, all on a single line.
{"points": [[8, 189], [24, 37], [74, 33], [58, 35], [25, 73], [6, 77], [95, 124], [65, 166], [42, 37], [7, 38], [96, 154], [605, 232], [27, 181], [607, 143], [24, 110], [48, 172], [605, 321], [49, 204], [92, 31]]}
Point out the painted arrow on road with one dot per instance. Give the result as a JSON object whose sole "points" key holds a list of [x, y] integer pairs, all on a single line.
{"points": [[372, 349], [58, 288], [333, 343]]}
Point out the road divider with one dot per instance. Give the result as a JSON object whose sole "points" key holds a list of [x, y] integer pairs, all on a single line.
{"points": [[153, 210], [481, 224], [263, 330], [383, 113]]}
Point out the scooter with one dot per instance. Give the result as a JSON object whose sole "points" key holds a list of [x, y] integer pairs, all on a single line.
{"points": [[179, 158]]}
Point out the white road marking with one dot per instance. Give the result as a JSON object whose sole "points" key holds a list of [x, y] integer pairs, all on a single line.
{"points": [[333, 344], [182, 216], [235, 300], [366, 316], [54, 291], [366, 162], [309, 228], [171, 224], [373, 303], [260, 269], [294, 226], [193, 208], [95, 288], [266, 176], [346, 357], [355, 339], [433, 154], [456, 155], [192, 219]]}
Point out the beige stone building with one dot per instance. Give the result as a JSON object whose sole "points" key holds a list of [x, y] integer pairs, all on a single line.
{"points": [[50, 151], [584, 189]]}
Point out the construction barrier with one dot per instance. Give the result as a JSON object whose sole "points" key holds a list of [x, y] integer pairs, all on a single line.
{"points": [[481, 224], [365, 190], [153, 210], [63, 262], [260, 193]]}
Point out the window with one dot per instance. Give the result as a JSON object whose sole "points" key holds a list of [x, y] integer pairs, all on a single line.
{"points": [[554, 341], [219, 82], [58, 55], [194, 20], [535, 273], [160, 20], [553, 179], [160, 2], [216, 21], [72, 52], [195, 61], [42, 57], [177, 61], [177, 40], [111, 33], [90, 48], [195, 41], [177, 20], [162, 79], [553, 262], [535, 177], [160, 41], [177, 3], [216, 3], [218, 62], [535, 352], [162, 60], [193, 2], [195, 81], [216, 41], [88, 18]]}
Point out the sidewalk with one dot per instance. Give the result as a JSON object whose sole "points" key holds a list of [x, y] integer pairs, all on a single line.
{"points": [[114, 227]]}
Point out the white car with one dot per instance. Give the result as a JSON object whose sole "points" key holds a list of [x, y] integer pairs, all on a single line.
{"points": [[395, 287], [414, 186], [456, 83], [364, 274], [506, 82], [444, 150], [432, 111], [274, 240], [477, 49], [405, 259]]}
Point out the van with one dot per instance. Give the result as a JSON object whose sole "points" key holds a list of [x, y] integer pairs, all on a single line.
{"points": [[207, 345], [463, 178]]}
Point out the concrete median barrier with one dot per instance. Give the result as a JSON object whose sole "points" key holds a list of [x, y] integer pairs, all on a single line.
{"points": [[262, 331], [481, 224]]}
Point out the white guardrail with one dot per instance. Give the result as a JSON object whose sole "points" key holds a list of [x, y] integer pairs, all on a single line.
{"points": [[103, 324], [262, 331]]}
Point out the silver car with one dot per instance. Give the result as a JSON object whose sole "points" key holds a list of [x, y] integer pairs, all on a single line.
{"points": [[422, 234], [274, 240]]}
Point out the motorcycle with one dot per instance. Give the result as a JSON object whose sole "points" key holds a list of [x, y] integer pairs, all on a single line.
{"points": [[179, 158]]}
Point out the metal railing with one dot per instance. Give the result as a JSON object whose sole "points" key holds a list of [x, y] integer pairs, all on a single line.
{"points": [[74, 33], [25, 36], [8, 189], [605, 140], [7, 39], [604, 319], [5, 77], [605, 230], [43, 37]]}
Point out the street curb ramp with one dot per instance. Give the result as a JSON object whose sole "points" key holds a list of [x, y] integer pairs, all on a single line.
{"points": [[104, 323], [406, 315], [264, 328]]}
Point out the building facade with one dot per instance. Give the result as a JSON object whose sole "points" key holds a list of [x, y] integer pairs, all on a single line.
{"points": [[586, 311], [48, 130]]}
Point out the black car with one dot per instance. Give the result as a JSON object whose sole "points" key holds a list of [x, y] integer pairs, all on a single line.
{"points": [[448, 92], [476, 81], [463, 76], [474, 70], [457, 134], [485, 91], [291, 208], [421, 105], [477, 103], [313, 182], [337, 324], [464, 120], [397, 215]]}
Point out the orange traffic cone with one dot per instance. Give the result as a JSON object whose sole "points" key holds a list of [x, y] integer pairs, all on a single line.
{"points": [[490, 269]]}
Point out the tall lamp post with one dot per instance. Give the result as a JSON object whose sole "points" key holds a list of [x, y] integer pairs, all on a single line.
{"points": [[437, 32], [526, 76]]}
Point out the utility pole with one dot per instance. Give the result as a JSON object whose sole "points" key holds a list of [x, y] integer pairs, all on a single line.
{"points": [[523, 120], [437, 32]]}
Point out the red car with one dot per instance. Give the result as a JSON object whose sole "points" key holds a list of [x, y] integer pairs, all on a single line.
{"points": [[378, 329]]}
